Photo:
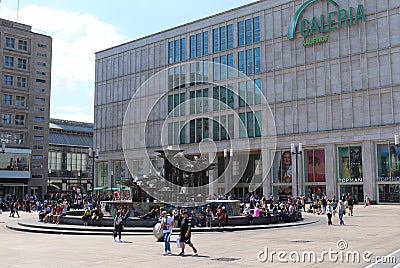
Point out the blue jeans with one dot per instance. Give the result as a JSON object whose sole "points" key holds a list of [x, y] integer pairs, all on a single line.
{"points": [[341, 218], [167, 245]]}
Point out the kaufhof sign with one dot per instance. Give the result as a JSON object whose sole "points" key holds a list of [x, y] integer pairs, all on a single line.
{"points": [[316, 29]]}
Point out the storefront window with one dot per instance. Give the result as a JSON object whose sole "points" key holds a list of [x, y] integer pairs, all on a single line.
{"points": [[350, 173], [282, 167], [350, 164], [389, 193], [388, 159], [282, 174], [314, 173]]}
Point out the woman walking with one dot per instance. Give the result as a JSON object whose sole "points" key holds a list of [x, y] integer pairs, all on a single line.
{"points": [[166, 227], [118, 226], [329, 211]]}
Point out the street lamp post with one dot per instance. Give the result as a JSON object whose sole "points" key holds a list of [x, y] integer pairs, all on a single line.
{"points": [[94, 154], [227, 155], [48, 181], [69, 179], [297, 150], [80, 180]]}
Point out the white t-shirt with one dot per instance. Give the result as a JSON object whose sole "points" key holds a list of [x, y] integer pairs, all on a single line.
{"points": [[167, 221]]}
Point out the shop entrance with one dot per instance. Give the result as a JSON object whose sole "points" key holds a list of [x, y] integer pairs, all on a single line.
{"points": [[355, 190]]}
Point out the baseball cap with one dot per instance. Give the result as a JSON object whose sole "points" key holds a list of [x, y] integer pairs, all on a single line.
{"points": [[164, 212]]}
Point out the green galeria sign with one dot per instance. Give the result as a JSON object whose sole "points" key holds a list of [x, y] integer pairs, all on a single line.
{"points": [[316, 30]]}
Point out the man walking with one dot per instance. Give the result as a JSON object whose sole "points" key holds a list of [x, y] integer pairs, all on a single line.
{"points": [[186, 233], [342, 211]]}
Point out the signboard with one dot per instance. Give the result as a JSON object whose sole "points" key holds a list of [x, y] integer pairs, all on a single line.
{"points": [[315, 30]]}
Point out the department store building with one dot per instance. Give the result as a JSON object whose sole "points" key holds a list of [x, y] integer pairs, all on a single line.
{"points": [[329, 71]]}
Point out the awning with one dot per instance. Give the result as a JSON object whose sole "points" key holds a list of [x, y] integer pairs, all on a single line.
{"points": [[99, 188], [111, 189]]}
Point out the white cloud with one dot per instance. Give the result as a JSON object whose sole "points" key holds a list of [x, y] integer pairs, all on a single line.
{"points": [[69, 108], [76, 116], [76, 37]]}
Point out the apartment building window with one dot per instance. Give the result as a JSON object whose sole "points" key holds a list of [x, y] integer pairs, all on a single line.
{"points": [[175, 104], [10, 42], [171, 52], [37, 156], [39, 63], [38, 137], [23, 45], [224, 95], [42, 55], [183, 48], [198, 129], [199, 44], [38, 128], [40, 81], [42, 45], [8, 61], [40, 73], [250, 92], [176, 133], [21, 82], [205, 43], [222, 38], [249, 61], [231, 65], [39, 118], [39, 109], [20, 101], [256, 29], [215, 40], [19, 138], [229, 29], [198, 101], [39, 90], [7, 99], [20, 119], [6, 137], [250, 124], [22, 63], [223, 129], [249, 31], [8, 80], [192, 44], [241, 33], [217, 75], [37, 166], [38, 147], [6, 119], [40, 99], [177, 53]]}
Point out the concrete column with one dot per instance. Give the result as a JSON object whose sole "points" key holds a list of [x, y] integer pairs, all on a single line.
{"points": [[368, 166], [266, 171], [331, 170]]}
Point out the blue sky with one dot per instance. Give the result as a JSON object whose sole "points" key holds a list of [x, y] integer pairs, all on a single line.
{"points": [[80, 28]]}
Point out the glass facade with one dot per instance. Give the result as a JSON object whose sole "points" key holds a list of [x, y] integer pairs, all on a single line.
{"points": [[388, 172], [314, 173], [282, 173], [350, 172]]}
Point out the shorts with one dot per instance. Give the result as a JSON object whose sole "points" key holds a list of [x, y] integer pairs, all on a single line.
{"points": [[184, 239]]}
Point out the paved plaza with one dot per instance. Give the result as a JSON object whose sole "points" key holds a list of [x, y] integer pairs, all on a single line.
{"points": [[375, 229]]}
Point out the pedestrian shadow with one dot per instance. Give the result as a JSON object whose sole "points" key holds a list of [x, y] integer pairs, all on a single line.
{"points": [[191, 255], [126, 242]]}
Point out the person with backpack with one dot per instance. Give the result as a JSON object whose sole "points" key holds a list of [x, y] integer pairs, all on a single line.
{"points": [[166, 226], [209, 216]]}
